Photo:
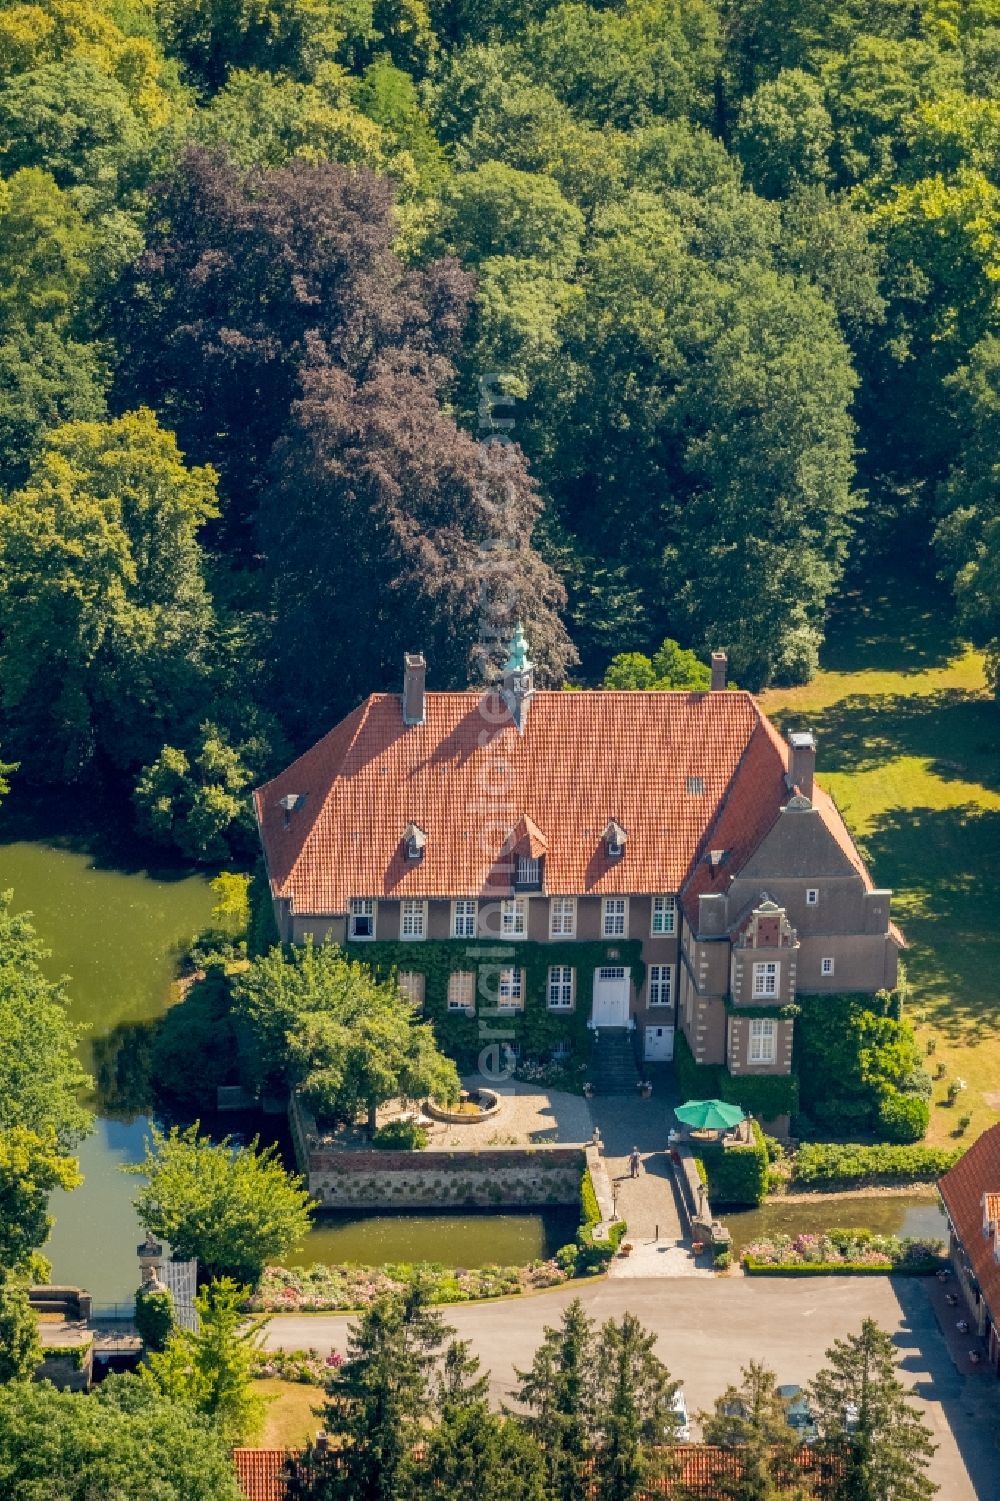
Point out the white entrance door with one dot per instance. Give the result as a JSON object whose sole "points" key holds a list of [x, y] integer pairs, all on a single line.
{"points": [[659, 1046], [611, 996]]}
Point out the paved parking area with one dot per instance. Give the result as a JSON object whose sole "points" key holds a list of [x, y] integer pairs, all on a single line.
{"points": [[708, 1328]]}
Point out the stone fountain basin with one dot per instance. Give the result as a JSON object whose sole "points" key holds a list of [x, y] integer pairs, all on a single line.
{"points": [[487, 1100]]}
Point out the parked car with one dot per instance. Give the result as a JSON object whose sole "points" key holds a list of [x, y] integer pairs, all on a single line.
{"points": [[798, 1411], [683, 1421]]}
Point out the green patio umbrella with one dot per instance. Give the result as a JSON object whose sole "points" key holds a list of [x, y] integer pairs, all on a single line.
{"points": [[709, 1115]]}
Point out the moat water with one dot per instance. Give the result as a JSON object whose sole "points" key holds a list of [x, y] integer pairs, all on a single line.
{"points": [[917, 1214], [116, 931]]}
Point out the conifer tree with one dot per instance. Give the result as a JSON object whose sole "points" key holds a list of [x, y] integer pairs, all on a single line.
{"points": [[753, 1418], [633, 1401], [557, 1393], [867, 1423], [378, 1400]]}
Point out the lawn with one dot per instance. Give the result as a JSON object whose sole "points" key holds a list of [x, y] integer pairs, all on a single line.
{"points": [[290, 1422], [908, 736]]}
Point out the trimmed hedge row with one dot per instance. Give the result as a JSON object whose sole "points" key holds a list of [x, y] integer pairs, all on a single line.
{"points": [[755, 1268], [736, 1175], [828, 1165]]}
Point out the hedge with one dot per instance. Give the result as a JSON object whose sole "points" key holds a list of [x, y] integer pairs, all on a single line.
{"points": [[755, 1268], [535, 1028], [736, 1175], [590, 1255], [764, 1095], [825, 1165]]}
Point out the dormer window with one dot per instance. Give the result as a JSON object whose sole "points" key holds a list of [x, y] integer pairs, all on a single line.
{"points": [[415, 841], [614, 840], [528, 873]]}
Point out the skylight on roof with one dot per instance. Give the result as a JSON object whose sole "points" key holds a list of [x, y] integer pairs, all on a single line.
{"points": [[695, 786]]}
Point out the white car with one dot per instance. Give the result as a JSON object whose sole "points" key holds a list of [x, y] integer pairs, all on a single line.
{"points": [[683, 1430]]}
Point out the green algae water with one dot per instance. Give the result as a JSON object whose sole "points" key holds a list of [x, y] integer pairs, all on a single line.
{"points": [[917, 1214], [117, 933]]}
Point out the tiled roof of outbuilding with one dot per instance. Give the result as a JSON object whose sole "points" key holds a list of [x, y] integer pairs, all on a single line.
{"points": [[977, 1172]]}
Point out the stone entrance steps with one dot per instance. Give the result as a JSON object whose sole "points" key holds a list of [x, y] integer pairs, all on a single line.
{"points": [[613, 1067]]}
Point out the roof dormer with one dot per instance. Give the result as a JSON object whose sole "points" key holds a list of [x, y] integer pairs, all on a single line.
{"points": [[614, 837], [414, 841]]}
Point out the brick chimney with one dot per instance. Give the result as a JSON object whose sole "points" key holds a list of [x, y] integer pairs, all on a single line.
{"points": [[803, 767], [414, 688], [719, 664]]}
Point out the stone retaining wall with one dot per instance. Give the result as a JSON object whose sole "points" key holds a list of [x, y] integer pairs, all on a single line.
{"points": [[467, 1178]]}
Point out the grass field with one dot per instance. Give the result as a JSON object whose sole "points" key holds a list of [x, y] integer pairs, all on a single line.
{"points": [[290, 1422], [909, 745]]}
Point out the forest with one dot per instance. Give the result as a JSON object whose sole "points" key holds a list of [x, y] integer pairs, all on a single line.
{"points": [[335, 328]]}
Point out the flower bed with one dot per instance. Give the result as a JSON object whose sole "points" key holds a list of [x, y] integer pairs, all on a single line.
{"points": [[333, 1289], [852, 1252], [308, 1367]]}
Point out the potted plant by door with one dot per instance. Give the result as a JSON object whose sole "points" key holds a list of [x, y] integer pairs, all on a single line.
{"points": [[588, 1090], [645, 1089]]}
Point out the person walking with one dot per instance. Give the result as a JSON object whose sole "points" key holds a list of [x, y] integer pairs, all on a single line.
{"points": [[633, 1163]]}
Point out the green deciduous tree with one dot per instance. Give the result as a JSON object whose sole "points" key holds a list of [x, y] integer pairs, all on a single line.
{"points": [[40, 1075], [31, 1166], [125, 1440], [670, 668], [350, 1042], [866, 1421], [199, 803], [233, 1208], [45, 252], [20, 1347], [784, 134], [45, 381], [103, 607], [210, 1369]]}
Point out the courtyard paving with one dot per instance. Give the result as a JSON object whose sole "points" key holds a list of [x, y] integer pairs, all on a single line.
{"points": [[528, 1115]]}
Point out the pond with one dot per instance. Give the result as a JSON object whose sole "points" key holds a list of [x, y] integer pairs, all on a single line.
{"points": [[467, 1240], [917, 1214], [117, 934]]}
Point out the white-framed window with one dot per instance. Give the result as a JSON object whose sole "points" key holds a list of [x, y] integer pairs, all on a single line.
{"points": [[664, 915], [812, 896], [362, 918], [510, 990], [412, 918], [528, 872], [462, 990], [562, 987], [766, 977], [826, 966], [615, 912], [464, 918], [763, 1039], [514, 917], [412, 983], [562, 917], [661, 984]]}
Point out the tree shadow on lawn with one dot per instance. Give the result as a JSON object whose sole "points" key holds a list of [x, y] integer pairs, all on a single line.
{"points": [[958, 731], [944, 866], [892, 626]]}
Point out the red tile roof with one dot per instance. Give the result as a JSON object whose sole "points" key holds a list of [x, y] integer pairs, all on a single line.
{"points": [[468, 777], [698, 1470], [681, 772], [261, 1472], [976, 1173]]}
